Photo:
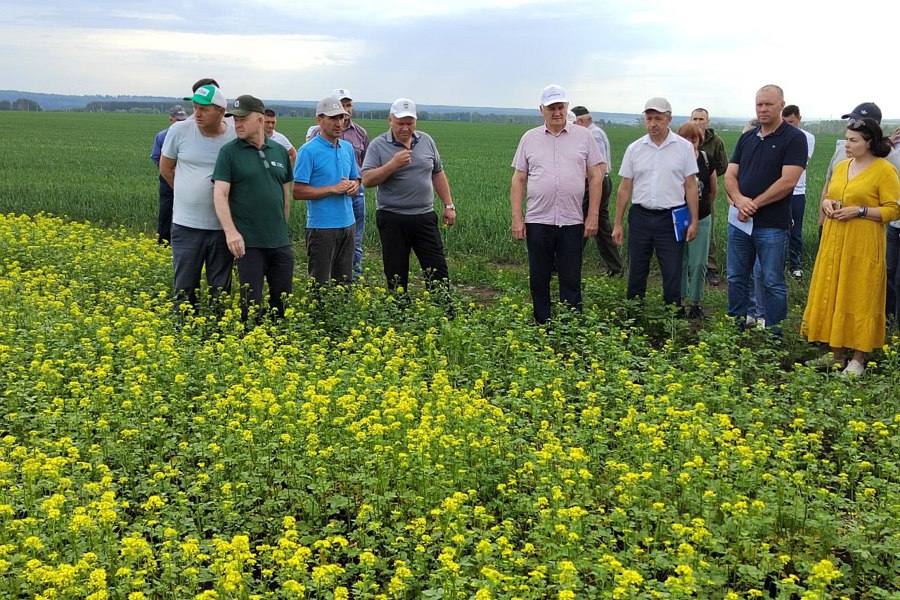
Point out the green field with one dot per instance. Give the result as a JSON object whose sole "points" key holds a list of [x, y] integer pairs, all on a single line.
{"points": [[362, 450], [96, 167]]}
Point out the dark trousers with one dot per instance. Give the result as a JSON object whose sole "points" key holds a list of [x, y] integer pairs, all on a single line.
{"points": [[552, 246], [330, 254], [605, 245], [164, 218], [892, 298], [276, 266], [798, 209], [192, 249], [419, 233], [652, 231]]}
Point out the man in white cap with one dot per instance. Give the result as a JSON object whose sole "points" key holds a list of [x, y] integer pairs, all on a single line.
{"points": [[166, 193], [326, 176], [551, 164], [405, 166], [658, 176], [189, 155], [359, 139]]}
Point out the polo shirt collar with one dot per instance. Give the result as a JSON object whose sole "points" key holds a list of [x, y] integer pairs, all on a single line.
{"points": [[390, 138], [320, 140], [670, 138], [778, 131], [246, 144], [565, 129]]}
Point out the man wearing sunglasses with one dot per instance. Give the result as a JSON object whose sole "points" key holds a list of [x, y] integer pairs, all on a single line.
{"points": [[326, 176], [252, 198]]}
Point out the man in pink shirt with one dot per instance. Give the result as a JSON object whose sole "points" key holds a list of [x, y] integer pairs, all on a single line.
{"points": [[551, 164]]}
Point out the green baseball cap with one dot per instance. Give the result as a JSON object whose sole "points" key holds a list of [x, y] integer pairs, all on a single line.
{"points": [[244, 105], [208, 94]]}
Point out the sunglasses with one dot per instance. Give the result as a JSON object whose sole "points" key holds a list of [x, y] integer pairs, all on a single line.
{"points": [[262, 155]]}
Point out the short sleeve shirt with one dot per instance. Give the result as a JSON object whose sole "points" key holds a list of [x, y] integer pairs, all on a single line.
{"points": [[410, 189], [195, 155], [321, 163], [280, 138], [659, 172], [556, 165], [256, 197]]}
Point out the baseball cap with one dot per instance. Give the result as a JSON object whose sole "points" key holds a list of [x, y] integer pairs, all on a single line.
{"points": [[177, 113], [866, 109], [341, 93], [244, 105], [580, 111], [658, 104], [553, 94], [208, 94], [330, 107], [403, 107]]}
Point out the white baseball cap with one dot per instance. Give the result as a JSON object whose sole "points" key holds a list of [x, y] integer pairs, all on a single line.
{"points": [[658, 104], [341, 93], [553, 94], [403, 107]]}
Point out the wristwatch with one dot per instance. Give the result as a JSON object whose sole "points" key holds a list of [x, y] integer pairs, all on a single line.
{"points": [[449, 206], [861, 212]]}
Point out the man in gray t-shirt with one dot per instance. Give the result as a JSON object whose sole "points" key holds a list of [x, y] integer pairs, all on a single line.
{"points": [[189, 155], [405, 166]]}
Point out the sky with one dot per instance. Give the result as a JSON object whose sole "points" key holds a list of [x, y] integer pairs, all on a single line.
{"points": [[610, 56]]}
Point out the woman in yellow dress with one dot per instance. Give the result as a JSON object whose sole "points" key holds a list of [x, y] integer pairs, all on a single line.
{"points": [[845, 308]]}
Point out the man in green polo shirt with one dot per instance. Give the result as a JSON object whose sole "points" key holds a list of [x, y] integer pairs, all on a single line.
{"points": [[252, 192]]}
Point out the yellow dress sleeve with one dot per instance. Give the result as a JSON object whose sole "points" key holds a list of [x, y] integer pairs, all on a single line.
{"points": [[889, 193]]}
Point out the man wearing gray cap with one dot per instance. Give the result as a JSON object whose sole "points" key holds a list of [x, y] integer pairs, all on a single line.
{"points": [[359, 139], [189, 155], [658, 177], [252, 194], [405, 166], [326, 176], [166, 193]]}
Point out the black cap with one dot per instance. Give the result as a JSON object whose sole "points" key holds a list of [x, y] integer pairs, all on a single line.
{"points": [[866, 109], [580, 111], [244, 105]]}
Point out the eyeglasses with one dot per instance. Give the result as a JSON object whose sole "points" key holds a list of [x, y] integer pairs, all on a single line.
{"points": [[262, 155]]}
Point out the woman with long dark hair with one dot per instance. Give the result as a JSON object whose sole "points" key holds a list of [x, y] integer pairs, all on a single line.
{"points": [[845, 308]]}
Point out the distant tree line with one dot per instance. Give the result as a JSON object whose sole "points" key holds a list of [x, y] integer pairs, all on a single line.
{"points": [[21, 104]]}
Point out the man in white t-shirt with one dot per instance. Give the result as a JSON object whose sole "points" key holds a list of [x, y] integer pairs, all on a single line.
{"points": [[279, 138], [188, 157], [791, 114]]}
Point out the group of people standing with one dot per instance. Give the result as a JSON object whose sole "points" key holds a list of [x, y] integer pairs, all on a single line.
{"points": [[668, 187], [229, 179]]}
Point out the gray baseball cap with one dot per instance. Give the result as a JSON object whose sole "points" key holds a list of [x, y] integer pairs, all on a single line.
{"points": [[330, 107]]}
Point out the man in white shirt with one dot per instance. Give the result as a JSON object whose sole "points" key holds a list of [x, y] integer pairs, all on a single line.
{"points": [[791, 114], [279, 138], [658, 176]]}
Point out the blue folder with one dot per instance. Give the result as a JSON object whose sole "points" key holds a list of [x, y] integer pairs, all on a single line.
{"points": [[681, 220]]}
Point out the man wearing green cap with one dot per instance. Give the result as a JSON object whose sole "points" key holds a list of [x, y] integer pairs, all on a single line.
{"points": [[188, 157], [252, 192]]}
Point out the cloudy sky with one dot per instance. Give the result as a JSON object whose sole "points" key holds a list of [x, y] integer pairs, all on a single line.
{"points": [[609, 55]]}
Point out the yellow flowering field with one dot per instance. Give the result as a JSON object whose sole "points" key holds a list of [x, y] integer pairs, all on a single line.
{"points": [[359, 450]]}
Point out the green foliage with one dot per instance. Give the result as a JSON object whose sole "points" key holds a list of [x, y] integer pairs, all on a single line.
{"points": [[363, 448]]}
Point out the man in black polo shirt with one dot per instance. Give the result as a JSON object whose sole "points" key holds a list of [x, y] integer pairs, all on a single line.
{"points": [[252, 193], [760, 179]]}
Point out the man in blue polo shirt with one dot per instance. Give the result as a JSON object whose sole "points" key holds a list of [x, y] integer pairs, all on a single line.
{"points": [[326, 176], [766, 164]]}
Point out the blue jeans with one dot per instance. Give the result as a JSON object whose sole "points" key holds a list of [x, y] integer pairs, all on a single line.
{"points": [[756, 309], [770, 245], [892, 298], [359, 213], [798, 208]]}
